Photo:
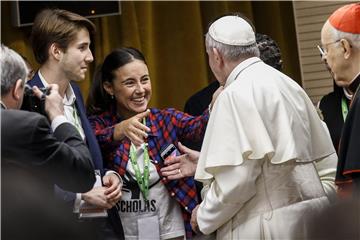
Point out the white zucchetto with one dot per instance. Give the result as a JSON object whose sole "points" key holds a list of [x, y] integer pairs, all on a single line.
{"points": [[232, 30]]}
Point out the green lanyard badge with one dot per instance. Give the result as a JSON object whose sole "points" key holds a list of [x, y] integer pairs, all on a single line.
{"points": [[142, 180]]}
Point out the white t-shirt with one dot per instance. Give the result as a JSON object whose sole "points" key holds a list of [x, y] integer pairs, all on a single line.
{"points": [[159, 215]]}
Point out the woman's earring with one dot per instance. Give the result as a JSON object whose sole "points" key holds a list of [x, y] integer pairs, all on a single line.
{"points": [[111, 97]]}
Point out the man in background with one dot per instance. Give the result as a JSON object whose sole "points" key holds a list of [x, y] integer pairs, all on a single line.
{"points": [[340, 39]]}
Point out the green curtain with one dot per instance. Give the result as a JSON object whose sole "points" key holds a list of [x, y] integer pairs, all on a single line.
{"points": [[171, 36]]}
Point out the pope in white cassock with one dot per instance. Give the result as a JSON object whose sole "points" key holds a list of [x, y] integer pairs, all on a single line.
{"points": [[267, 160]]}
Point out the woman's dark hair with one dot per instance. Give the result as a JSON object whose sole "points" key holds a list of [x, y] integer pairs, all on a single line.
{"points": [[99, 100]]}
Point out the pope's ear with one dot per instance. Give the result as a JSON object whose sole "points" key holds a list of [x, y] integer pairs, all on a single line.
{"points": [[217, 56]]}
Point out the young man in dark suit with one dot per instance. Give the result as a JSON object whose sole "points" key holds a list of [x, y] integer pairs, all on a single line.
{"points": [[35, 156], [60, 41]]}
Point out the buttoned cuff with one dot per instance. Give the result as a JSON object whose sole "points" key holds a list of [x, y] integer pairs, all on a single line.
{"points": [[77, 203]]}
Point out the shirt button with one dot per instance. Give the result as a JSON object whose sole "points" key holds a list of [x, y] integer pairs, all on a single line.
{"points": [[172, 194], [186, 208]]}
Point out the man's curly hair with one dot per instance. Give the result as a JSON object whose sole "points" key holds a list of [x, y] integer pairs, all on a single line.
{"points": [[269, 51]]}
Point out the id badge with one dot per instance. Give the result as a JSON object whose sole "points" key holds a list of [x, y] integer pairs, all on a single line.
{"points": [[148, 228]]}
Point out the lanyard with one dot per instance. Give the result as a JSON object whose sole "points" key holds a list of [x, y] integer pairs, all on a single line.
{"points": [[76, 119], [142, 180], [344, 108]]}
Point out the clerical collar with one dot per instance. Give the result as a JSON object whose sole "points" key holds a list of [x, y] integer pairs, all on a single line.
{"points": [[354, 84]]}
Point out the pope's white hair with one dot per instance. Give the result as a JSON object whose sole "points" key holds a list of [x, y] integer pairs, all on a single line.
{"points": [[232, 53]]}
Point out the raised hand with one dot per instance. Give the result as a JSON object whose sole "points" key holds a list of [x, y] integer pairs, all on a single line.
{"points": [[53, 102], [133, 129]]}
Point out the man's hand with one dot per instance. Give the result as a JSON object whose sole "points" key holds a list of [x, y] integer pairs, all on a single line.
{"points": [[113, 186], [133, 129], [193, 221], [53, 102], [97, 197], [181, 166], [107, 196]]}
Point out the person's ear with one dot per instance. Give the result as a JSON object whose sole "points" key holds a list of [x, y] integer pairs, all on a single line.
{"points": [[108, 88], [217, 57], [55, 51], [18, 90], [347, 48]]}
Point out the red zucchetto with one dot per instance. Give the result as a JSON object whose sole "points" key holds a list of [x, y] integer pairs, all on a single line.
{"points": [[347, 18]]}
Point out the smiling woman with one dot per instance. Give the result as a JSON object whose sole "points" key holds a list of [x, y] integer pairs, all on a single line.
{"points": [[132, 139], [131, 87]]}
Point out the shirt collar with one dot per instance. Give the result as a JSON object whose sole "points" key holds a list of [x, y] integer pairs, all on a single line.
{"points": [[69, 98], [42, 79], [239, 68]]}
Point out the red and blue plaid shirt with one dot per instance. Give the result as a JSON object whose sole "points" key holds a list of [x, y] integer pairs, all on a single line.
{"points": [[167, 126]]}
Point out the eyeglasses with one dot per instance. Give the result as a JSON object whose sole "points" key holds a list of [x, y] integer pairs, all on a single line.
{"points": [[324, 46]]}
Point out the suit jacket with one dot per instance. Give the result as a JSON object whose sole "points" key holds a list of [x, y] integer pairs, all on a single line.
{"points": [[196, 105], [89, 135], [113, 224], [33, 160]]}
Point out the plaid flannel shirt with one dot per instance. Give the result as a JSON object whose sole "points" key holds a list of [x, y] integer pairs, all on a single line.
{"points": [[167, 126]]}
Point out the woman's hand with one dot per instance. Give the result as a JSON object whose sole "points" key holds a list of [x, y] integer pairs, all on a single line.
{"points": [[133, 129]]}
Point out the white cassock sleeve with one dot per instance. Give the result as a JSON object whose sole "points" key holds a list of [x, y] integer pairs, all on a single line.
{"points": [[231, 188], [326, 169]]}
